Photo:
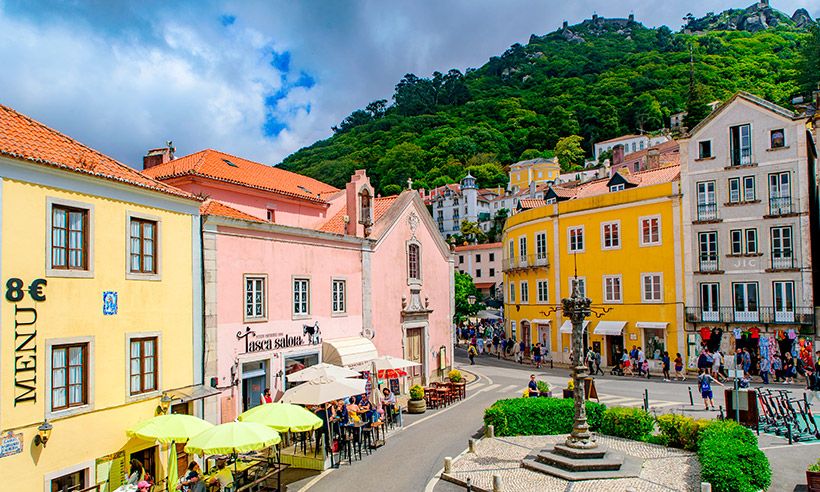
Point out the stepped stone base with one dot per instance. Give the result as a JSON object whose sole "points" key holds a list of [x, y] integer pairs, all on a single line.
{"points": [[575, 465]]}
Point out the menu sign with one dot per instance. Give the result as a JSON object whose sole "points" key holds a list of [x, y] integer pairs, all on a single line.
{"points": [[11, 444], [111, 471]]}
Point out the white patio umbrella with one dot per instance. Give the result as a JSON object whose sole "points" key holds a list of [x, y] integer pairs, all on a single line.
{"points": [[322, 370], [390, 362]]}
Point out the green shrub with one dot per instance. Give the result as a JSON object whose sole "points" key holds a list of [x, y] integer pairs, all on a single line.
{"points": [[681, 431], [538, 416], [543, 386], [455, 375], [730, 459], [416, 392], [629, 423], [815, 467]]}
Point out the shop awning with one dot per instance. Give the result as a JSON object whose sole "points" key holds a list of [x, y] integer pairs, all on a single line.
{"points": [[658, 325], [353, 352], [487, 314], [191, 393], [567, 326], [609, 328], [539, 321]]}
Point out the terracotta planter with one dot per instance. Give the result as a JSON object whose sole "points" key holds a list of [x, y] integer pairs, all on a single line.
{"points": [[416, 406], [813, 479], [545, 395]]}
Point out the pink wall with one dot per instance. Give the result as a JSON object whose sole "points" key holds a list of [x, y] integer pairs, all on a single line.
{"points": [[389, 267]]}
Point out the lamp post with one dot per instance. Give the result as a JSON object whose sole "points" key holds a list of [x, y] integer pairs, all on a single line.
{"points": [[471, 299]]}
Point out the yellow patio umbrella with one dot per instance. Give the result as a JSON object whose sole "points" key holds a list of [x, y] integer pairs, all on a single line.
{"points": [[283, 417], [233, 437], [166, 429]]}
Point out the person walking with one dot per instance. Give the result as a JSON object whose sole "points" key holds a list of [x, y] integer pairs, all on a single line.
{"points": [[747, 362], [532, 387], [788, 368], [679, 367], [717, 360], [496, 343], [471, 353], [598, 364], [666, 363], [705, 385], [777, 367], [765, 368], [480, 344], [522, 348], [591, 362], [626, 363], [643, 364], [536, 356]]}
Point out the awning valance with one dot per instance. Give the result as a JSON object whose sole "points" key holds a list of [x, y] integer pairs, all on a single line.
{"points": [[609, 328], [539, 321], [567, 326], [353, 352], [191, 393], [658, 325]]}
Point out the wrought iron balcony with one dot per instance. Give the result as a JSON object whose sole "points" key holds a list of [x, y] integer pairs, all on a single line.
{"points": [[741, 157], [707, 211], [524, 262], [784, 260], [763, 314], [709, 263], [780, 205]]}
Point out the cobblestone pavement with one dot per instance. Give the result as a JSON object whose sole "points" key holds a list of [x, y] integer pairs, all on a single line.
{"points": [[663, 470]]}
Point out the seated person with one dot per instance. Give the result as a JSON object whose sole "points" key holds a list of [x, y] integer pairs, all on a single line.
{"points": [[223, 476], [353, 410], [192, 482]]}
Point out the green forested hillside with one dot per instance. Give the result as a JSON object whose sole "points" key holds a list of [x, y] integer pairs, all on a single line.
{"points": [[598, 79]]}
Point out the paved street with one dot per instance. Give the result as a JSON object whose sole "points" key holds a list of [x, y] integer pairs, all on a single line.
{"points": [[413, 456]]}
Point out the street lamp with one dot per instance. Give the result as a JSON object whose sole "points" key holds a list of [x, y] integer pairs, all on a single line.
{"points": [[43, 433], [164, 404], [471, 299]]}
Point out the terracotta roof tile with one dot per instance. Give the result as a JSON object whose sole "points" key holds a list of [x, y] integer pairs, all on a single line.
{"points": [[529, 203], [472, 247], [213, 207], [641, 178], [228, 168], [336, 224], [26, 139]]}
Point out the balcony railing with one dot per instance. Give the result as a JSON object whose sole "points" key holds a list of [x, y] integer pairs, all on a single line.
{"points": [[707, 211], [784, 261], [763, 314], [741, 157], [709, 263], [524, 262], [780, 205]]}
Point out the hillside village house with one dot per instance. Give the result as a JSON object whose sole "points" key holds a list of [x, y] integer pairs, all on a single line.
{"points": [[630, 143], [750, 227], [623, 236], [101, 309], [483, 263], [539, 171], [298, 272], [454, 203]]}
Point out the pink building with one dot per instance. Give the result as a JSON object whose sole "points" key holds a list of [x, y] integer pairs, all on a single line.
{"points": [[297, 272]]}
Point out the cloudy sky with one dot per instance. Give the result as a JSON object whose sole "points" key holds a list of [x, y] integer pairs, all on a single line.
{"points": [[258, 78]]}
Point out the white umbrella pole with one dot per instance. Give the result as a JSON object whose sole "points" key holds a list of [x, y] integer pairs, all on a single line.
{"points": [[328, 437]]}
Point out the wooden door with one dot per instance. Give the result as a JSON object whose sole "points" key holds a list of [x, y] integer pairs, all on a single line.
{"points": [[415, 351]]}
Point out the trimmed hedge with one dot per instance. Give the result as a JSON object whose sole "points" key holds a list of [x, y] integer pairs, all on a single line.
{"points": [[680, 431], [538, 416], [629, 423], [730, 459]]}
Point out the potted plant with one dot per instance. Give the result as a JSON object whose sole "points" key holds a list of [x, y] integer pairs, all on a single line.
{"points": [[543, 388], [416, 404], [454, 376], [813, 477], [569, 390]]}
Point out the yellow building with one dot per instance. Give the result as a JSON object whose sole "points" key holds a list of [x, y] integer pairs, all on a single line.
{"points": [[624, 236], [538, 171], [100, 314]]}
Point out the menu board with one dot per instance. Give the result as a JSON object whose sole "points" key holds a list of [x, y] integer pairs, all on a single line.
{"points": [[111, 471], [394, 386]]}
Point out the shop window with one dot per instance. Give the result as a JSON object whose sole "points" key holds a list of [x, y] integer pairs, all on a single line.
{"points": [[654, 342], [72, 482], [296, 364]]}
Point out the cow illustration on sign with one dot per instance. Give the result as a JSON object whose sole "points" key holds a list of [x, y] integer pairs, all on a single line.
{"points": [[313, 333]]}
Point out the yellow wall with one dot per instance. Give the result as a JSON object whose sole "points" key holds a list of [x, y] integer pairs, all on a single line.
{"points": [[630, 261], [73, 308], [520, 176]]}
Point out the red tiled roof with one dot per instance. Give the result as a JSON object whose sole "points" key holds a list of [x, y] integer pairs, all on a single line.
{"points": [[641, 178], [472, 247], [484, 285], [668, 147], [213, 207], [24, 138], [220, 166], [336, 224], [528, 203]]}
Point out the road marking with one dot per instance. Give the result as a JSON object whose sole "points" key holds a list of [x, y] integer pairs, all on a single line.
{"points": [[665, 404], [431, 484], [512, 387], [617, 400]]}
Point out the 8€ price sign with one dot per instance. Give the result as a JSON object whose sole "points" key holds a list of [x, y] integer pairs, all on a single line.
{"points": [[16, 290]]}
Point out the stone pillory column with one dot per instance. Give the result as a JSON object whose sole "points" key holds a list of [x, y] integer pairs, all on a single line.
{"points": [[577, 309]]}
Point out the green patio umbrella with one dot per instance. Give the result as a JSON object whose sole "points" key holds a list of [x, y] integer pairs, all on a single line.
{"points": [[283, 417], [232, 438], [173, 470], [166, 429]]}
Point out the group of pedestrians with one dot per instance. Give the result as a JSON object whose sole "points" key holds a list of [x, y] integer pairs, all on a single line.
{"points": [[487, 339]]}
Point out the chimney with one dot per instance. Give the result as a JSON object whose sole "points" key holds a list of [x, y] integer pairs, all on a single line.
{"points": [[356, 224], [532, 189], [155, 157], [653, 158], [617, 155]]}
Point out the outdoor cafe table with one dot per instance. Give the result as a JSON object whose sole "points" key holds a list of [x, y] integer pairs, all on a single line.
{"points": [[238, 470]]}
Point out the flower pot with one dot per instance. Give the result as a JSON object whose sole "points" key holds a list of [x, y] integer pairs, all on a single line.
{"points": [[813, 479], [545, 394], [568, 393], [416, 406]]}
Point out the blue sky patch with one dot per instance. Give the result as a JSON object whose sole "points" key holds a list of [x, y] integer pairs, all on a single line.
{"points": [[227, 19], [304, 80], [280, 61], [273, 127]]}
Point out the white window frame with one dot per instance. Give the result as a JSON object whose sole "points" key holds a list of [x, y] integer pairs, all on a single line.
{"points": [[298, 313], [522, 248], [659, 281], [783, 288], [753, 188], [543, 291], [582, 281], [617, 187], [712, 291], [570, 247], [650, 218], [613, 281], [711, 149], [525, 292], [746, 314], [736, 241], [254, 277], [512, 292], [67, 273], [738, 192], [616, 244], [342, 299], [540, 245], [754, 240]]}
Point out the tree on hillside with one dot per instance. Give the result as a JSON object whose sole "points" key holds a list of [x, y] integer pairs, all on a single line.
{"points": [[646, 113], [391, 189], [472, 232], [399, 163], [810, 62], [696, 104], [464, 288], [489, 175], [414, 95], [569, 152]]}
